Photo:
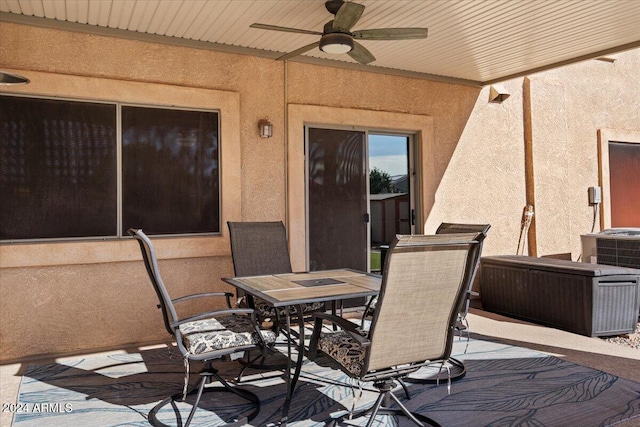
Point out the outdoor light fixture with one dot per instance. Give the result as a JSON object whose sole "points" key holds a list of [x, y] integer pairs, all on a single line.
{"points": [[12, 79], [336, 43], [497, 94], [265, 127]]}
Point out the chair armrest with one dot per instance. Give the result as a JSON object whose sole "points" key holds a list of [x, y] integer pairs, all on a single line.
{"points": [[227, 295], [345, 324], [367, 309], [214, 313]]}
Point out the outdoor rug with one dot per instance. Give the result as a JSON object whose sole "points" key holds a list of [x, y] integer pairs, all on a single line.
{"points": [[504, 386]]}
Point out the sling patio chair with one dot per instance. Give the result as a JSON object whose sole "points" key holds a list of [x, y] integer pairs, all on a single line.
{"points": [[204, 337], [462, 325], [451, 228], [423, 285], [260, 248]]}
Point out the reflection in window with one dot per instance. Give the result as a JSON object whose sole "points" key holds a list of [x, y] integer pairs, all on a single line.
{"points": [[170, 170], [389, 189], [57, 169]]}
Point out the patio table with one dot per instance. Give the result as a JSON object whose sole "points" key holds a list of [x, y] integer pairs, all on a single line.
{"points": [[296, 289]]}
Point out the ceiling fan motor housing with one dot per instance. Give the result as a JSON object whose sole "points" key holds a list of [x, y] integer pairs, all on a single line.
{"points": [[333, 6]]}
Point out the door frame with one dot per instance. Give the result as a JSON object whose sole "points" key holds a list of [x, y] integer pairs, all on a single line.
{"points": [[298, 116]]}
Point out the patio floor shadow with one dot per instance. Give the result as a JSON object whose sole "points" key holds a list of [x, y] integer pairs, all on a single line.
{"points": [[505, 385]]}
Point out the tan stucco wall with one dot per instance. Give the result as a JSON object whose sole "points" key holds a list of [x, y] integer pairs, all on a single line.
{"points": [[95, 295], [570, 105], [485, 181]]}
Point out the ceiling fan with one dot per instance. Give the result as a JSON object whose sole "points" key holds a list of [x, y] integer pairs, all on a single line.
{"points": [[337, 36]]}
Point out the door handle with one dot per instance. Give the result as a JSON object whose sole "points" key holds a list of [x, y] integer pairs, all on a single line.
{"points": [[366, 218]]}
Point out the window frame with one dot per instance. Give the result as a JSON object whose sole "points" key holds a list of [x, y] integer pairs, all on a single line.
{"points": [[73, 100], [120, 232], [39, 254], [121, 176], [605, 136]]}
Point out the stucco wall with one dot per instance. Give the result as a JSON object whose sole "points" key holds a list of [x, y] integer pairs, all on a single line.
{"points": [[570, 105], [486, 177], [73, 308], [473, 170]]}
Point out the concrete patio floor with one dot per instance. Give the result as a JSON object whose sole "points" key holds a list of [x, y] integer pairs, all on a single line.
{"points": [[592, 352]]}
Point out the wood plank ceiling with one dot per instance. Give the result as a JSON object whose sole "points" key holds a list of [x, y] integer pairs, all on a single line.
{"points": [[469, 41]]}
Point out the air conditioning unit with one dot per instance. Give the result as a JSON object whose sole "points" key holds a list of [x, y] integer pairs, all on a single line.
{"points": [[615, 246]]}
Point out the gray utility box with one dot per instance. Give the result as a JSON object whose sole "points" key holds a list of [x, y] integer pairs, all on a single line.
{"points": [[587, 299]]}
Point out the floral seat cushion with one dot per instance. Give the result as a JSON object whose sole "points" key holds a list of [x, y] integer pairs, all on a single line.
{"points": [[344, 349], [266, 310], [202, 336]]}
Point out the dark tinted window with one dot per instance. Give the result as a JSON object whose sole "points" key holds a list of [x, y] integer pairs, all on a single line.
{"points": [[58, 169], [170, 170]]}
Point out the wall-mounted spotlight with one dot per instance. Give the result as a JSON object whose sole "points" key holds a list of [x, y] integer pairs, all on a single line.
{"points": [[498, 93], [265, 127], [12, 79]]}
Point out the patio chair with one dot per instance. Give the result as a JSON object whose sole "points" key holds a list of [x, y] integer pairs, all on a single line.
{"points": [[462, 325], [260, 248], [423, 285], [204, 337], [448, 228]]}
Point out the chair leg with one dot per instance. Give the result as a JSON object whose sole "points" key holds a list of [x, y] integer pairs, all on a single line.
{"points": [[458, 373], [208, 375], [374, 410], [195, 404], [383, 407], [405, 388]]}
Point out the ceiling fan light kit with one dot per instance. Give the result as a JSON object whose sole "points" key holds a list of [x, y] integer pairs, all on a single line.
{"points": [[337, 37], [336, 43]]}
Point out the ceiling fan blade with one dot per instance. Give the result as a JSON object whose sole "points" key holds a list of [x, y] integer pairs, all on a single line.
{"points": [[285, 29], [361, 54], [391, 34], [347, 16], [297, 52]]}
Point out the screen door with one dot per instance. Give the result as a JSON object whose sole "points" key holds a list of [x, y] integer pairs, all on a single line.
{"points": [[337, 205]]}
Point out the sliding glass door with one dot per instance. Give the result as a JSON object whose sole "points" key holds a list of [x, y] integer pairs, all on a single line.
{"points": [[359, 196]]}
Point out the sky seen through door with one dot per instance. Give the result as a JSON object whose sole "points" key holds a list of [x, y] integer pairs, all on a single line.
{"points": [[388, 153]]}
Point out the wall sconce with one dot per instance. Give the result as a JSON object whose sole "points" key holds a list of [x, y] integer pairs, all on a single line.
{"points": [[265, 127], [12, 79], [497, 94]]}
